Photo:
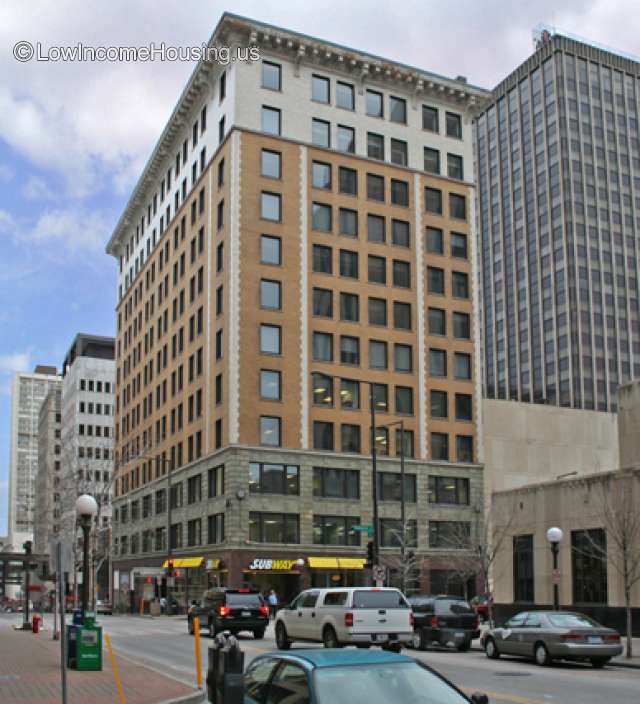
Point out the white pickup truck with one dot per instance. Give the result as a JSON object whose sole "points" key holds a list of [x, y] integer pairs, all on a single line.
{"points": [[361, 616]]}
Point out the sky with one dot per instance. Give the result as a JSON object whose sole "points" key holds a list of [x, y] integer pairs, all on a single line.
{"points": [[74, 136]]}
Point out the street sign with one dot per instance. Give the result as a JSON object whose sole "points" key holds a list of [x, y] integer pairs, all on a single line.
{"points": [[364, 528], [379, 572]]}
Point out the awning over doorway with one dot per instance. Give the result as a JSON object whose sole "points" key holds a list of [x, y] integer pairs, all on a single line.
{"points": [[337, 563], [184, 562]]}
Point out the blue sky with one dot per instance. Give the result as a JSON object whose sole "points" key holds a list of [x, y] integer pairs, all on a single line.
{"points": [[74, 136]]}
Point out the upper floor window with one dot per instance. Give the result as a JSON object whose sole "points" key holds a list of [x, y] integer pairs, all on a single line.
{"points": [[457, 206], [374, 104], [397, 109], [271, 120], [345, 95], [454, 166], [320, 89], [430, 119], [321, 133], [271, 164], [454, 125], [271, 75], [273, 479]]}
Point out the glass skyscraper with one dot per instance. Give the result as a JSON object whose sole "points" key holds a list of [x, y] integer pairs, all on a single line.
{"points": [[558, 178]]}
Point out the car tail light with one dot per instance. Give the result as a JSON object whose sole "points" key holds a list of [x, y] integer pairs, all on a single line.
{"points": [[244, 590], [348, 619], [264, 610], [224, 611], [572, 637], [411, 619], [434, 622], [613, 638]]}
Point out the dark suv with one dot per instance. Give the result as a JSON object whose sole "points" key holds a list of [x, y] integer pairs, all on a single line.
{"points": [[233, 610], [443, 620]]}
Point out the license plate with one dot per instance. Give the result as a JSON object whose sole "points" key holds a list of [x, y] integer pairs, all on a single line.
{"points": [[459, 634], [595, 640], [379, 637], [246, 613]]}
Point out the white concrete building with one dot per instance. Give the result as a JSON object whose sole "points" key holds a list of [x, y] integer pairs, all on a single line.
{"points": [[88, 398], [48, 498], [28, 393]]}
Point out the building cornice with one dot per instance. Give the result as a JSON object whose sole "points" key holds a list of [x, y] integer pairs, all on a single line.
{"points": [[234, 30]]}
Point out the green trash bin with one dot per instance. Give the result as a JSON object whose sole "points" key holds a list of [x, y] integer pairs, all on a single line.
{"points": [[89, 645]]}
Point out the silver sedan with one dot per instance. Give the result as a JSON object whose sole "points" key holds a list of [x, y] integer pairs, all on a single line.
{"points": [[548, 635]]}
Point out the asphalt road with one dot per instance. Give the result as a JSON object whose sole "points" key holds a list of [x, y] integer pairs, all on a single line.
{"points": [[163, 643]]}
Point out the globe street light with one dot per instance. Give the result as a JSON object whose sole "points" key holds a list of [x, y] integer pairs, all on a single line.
{"points": [[86, 509], [554, 536]]}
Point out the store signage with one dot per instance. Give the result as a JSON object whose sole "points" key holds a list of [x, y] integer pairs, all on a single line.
{"points": [[268, 564]]}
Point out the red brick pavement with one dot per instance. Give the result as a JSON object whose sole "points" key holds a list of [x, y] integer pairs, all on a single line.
{"points": [[30, 674]]}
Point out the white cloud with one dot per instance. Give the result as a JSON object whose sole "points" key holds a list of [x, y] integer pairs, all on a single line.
{"points": [[36, 189], [73, 229], [16, 362]]}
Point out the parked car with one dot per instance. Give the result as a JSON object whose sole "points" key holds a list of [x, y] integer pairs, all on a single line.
{"points": [[480, 605], [348, 677], [550, 635], [443, 620], [234, 610], [362, 616], [104, 607]]}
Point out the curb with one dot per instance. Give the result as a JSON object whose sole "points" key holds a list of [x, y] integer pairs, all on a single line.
{"points": [[195, 698]]}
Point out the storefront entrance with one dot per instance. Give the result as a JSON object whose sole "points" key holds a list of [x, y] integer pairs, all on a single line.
{"points": [[283, 576]]}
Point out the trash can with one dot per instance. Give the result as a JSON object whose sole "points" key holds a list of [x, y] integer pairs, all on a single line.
{"points": [[35, 624], [89, 645]]}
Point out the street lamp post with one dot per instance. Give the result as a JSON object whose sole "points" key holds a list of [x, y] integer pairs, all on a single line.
{"points": [[86, 509], [554, 536]]}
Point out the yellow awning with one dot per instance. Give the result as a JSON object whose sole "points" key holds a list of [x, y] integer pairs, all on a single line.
{"points": [[334, 563], [213, 564], [184, 562], [326, 562]]}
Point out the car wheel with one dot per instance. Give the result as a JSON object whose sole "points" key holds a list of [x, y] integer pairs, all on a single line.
{"points": [[190, 626], [329, 638], [282, 641], [599, 662], [541, 654], [258, 634], [418, 641], [491, 649], [463, 647]]}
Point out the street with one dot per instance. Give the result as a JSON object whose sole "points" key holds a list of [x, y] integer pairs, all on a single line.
{"points": [[163, 644]]}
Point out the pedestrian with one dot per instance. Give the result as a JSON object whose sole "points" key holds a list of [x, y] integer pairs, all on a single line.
{"points": [[273, 603]]}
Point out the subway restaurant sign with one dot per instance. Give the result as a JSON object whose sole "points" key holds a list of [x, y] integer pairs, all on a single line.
{"points": [[268, 564]]}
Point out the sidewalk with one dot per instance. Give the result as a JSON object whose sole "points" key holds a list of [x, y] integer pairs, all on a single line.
{"points": [[30, 674]]}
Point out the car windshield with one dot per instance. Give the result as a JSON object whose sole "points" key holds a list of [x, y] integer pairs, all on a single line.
{"points": [[572, 621], [381, 684], [234, 599], [370, 599]]}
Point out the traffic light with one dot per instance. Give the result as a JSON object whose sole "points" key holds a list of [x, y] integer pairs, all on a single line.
{"points": [[370, 553], [169, 568], [27, 547]]}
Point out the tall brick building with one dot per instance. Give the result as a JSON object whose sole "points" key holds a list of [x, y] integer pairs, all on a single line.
{"points": [[302, 233]]}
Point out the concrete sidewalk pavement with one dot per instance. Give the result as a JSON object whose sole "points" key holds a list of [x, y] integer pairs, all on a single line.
{"points": [[30, 673]]}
